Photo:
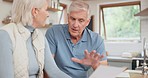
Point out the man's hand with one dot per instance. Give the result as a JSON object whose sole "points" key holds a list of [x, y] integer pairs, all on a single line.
{"points": [[91, 59]]}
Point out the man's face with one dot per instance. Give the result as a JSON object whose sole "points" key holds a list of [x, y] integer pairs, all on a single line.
{"points": [[77, 21]]}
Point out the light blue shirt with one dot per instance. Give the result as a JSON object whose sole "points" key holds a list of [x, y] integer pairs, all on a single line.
{"points": [[6, 59], [62, 47]]}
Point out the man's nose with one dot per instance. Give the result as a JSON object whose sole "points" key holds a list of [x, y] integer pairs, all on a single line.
{"points": [[76, 23]]}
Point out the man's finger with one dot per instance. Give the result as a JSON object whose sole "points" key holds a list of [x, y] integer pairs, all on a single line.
{"points": [[96, 56], [86, 54], [76, 60], [92, 53]]}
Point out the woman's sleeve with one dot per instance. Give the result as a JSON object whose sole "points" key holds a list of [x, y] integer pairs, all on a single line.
{"points": [[50, 66], [6, 57]]}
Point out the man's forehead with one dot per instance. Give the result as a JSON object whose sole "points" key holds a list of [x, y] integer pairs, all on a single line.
{"points": [[78, 15]]}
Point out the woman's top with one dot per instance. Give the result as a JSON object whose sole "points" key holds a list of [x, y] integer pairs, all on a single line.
{"points": [[6, 58]]}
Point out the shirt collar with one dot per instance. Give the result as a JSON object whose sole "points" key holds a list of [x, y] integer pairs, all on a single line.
{"points": [[25, 33], [30, 28]]}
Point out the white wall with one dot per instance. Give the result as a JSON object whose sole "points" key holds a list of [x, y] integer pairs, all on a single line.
{"points": [[144, 21], [4, 10], [112, 48]]}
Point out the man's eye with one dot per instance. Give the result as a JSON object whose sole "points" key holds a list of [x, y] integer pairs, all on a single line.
{"points": [[73, 18], [81, 20]]}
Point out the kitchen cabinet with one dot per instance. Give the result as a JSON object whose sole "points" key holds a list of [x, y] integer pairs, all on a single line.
{"points": [[143, 12], [53, 9], [58, 8], [8, 0]]}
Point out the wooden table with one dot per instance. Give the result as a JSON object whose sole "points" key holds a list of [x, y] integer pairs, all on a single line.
{"points": [[137, 75]]}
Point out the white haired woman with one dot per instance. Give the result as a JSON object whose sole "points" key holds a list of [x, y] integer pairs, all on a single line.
{"points": [[24, 51]]}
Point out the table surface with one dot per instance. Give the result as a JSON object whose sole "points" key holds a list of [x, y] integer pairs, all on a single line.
{"points": [[137, 75]]}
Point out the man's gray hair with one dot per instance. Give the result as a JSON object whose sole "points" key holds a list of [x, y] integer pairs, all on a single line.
{"points": [[22, 10], [78, 6]]}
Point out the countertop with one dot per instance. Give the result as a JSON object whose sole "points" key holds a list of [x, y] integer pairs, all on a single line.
{"points": [[122, 59], [118, 59]]}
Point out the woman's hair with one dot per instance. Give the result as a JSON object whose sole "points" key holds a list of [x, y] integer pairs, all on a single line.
{"points": [[22, 10], [78, 6]]}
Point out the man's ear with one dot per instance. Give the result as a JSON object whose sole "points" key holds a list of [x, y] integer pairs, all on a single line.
{"points": [[87, 23]]}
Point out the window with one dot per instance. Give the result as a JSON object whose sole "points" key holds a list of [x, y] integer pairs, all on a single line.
{"points": [[118, 22]]}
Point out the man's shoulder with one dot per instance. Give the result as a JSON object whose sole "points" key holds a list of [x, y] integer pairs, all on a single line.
{"points": [[58, 26], [94, 35]]}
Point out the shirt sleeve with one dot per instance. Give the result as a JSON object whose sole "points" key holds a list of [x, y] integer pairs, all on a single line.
{"points": [[6, 57], [51, 40], [50, 66], [101, 48]]}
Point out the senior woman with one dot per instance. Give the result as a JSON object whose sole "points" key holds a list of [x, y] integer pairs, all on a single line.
{"points": [[24, 51]]}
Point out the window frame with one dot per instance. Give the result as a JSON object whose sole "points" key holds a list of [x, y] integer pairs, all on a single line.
{"points": [[102, 20]]}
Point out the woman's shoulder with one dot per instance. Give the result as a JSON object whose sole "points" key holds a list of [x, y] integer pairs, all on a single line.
{"points": [[4, 35], [8, 27]]}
